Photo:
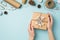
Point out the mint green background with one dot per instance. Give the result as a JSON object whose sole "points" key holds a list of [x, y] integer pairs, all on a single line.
{"points": [[14, 26]]}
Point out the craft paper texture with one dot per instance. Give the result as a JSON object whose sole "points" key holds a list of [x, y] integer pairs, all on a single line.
{"points": [[39, 20]]}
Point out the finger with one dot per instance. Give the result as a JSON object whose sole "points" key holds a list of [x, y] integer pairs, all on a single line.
{"points": [[48, 18], [32, 29], [30, 26], [51, 19], [48, 21]]}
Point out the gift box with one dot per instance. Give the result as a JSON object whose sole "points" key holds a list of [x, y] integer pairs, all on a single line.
{"points": [[40, 20]]}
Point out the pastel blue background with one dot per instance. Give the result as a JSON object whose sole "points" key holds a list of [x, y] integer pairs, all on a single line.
{"points": [[14, 26]]}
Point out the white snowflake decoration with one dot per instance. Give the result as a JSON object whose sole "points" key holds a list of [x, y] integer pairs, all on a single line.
{"points": [[40, 20]]}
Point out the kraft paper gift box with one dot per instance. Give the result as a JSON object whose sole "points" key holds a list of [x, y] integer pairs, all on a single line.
{"points": [[40, 20]]}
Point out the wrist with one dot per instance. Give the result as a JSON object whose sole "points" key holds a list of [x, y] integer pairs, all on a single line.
{"points": [[31, 38], [49, 30]]}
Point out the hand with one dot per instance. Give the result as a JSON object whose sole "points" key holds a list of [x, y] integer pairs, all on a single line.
{"points": [[31, 31], [50, 22]]}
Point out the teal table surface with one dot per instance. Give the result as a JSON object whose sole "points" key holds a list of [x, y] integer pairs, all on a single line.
{"points": [[14, 26]]}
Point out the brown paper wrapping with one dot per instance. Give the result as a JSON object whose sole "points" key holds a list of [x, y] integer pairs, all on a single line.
{"points": [[35, 19]]}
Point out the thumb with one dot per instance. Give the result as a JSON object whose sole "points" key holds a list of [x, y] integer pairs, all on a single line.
{"points": [[32, 28]]}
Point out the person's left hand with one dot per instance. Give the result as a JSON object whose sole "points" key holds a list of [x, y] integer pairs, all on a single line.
{"points": [[31, 31], [50, 22]]}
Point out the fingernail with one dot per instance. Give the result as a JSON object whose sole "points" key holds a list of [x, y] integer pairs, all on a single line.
{"points": [[49, 18]]}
